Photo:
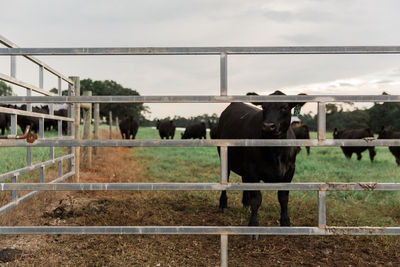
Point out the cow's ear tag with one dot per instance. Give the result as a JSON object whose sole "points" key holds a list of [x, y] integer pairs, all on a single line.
{"points": [[297, 109]]}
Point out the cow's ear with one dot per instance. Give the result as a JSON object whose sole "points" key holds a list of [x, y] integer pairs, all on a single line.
{"points": [[254, 103], [297, 104]]}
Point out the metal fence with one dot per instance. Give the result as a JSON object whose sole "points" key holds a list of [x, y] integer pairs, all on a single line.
{"points": [[223, 97], [15, 175]]}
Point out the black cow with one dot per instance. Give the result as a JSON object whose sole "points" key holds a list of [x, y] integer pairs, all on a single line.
{"points": [[388, 133], [4, 122], [194, 131], [213, 129], [255, 164], [166, 129], [301, 131], [355, 134], [128, 127]]}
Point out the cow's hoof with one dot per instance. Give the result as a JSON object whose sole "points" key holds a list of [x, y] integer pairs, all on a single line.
{"points": [[285, 222]]}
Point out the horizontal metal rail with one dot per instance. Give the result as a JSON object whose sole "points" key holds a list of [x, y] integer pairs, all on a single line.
{"points": [[9, 174], [195, 230], [204, 143], [10, 44], [33, 114], [28, 196], [198, 99], [266, 50], [360, 186], [17, 82]]}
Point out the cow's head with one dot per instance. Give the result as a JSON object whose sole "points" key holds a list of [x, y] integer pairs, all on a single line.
{"points": [[337, 134], [276, 116], [158, 124], [386, 132]]}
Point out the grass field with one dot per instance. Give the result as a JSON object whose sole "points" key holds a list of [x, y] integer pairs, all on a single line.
{"points": [[12, 158], [201, 164]]}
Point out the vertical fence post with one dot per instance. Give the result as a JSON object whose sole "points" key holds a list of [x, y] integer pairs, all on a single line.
{"points": [[60, 168], [224, 250], [321, 209], [14, 193], [87, 151], [117, 123], [111, 122], [321, 121], [224, 74], [96, 124], [42, 173], [77, 119], [41, 127], [13, 126], [224, 164], [70, 126]]}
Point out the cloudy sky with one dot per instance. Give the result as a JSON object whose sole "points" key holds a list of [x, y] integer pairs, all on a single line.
{"points": [[50, 23]]}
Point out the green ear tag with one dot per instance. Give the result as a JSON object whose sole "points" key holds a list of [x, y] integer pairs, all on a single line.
{"points": [[297, 109]]}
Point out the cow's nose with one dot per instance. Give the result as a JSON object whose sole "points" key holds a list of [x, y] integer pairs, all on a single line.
{"points": [[269, 127]]}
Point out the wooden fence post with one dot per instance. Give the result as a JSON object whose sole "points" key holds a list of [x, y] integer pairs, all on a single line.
{"points": [[77, 120], [117, 124], [87, 115], [96, 124], [110, 120]]}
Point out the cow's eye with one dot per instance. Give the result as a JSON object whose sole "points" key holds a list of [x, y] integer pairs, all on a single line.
{"points": [[285, 109]]}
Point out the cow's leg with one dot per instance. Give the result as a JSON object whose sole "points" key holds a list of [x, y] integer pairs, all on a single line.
{"points": [[283, 197], [372, 153], [255, 199], [255, 203], [223, 199], [359, 156], [308, 150]]}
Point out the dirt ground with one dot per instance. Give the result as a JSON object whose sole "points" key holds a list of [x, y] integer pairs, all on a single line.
{"points": [[163, 208]]}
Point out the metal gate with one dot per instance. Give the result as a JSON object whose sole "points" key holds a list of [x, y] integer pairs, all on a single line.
{"points": [[223, 97]]}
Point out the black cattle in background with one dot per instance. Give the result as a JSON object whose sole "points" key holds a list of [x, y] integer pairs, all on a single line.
{"points": [[213, 129], [355, 134], [24, 121], [194, 131], [255, 164], [166, 129], [4, 122], [302, 132], [128, 127], [388, 133]]}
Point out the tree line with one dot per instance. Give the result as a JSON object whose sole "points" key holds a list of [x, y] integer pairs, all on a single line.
{"points": [[375, 117], [379, 114]]}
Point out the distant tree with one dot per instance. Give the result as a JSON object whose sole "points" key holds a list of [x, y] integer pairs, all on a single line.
{"points": [[309, 120], [5, 90], [55, 91], [109, 87], [387, 113]]}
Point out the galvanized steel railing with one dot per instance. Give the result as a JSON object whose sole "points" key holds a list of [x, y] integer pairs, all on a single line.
{"points": [[223, 52], [14, 175]]}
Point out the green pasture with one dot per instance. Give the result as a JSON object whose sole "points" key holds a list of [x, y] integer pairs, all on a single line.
{"points": [[12, 158], [201, 164]]}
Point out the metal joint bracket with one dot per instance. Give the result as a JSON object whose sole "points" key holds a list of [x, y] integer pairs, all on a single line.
{"points": [[28, 135]]}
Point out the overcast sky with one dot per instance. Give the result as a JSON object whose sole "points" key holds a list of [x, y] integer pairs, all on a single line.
{"points": [[211, 23]]}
